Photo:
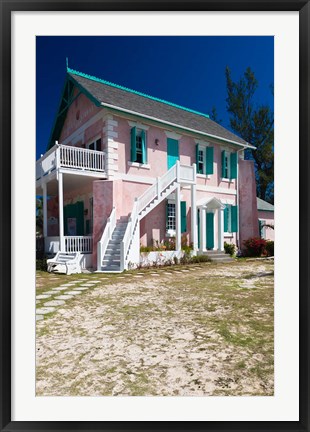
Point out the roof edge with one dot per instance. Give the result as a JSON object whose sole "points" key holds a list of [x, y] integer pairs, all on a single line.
{"points": [[226, 140], [102, 81]]}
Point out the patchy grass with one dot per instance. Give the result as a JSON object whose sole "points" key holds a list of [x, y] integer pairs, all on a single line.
{"points": [[208, 331]]}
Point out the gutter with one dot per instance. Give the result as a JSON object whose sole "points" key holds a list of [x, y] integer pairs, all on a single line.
{"points": [[114, 107]]}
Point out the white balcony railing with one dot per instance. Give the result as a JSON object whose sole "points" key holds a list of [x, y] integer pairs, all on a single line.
{"points": [[83, 244], [62, 156]]}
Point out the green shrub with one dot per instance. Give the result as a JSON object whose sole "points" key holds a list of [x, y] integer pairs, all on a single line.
{"points": [[200, 259], [41, 264], [254, 247], [270, 248], [230, 248]]}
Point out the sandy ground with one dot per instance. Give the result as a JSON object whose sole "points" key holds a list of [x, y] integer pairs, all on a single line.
{"points": [[206, 330]]}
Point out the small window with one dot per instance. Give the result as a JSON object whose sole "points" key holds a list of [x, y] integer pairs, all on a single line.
{"points": [[200, 162], [95, 145], [138, 146], [171, 216]]}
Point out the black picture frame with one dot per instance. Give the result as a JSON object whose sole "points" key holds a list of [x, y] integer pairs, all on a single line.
{"points": [[6, 8]]}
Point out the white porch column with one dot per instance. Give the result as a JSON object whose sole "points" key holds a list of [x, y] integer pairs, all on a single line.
{"points": [[220, 229], [44, 187], [61, 212], [203, 231], [194, 217], [177, 219]]}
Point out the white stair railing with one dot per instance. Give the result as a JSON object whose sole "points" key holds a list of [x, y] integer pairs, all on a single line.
{"points": [[128, 235], [178, 173], [105, 238]]}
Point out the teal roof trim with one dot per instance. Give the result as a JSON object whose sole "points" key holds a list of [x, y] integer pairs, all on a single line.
{"points": [[93, 78]]}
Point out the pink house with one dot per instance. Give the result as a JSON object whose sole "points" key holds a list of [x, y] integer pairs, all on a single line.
{"points": [[265, 219], [124, 169]]}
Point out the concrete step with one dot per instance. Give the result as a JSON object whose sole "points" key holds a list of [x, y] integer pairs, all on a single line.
{"points": [[221, 259], [110, 250]]}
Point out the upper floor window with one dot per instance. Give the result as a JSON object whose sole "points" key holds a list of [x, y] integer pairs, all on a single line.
{"points": [[138, 146], [95, 145], [204, 159], [229, 165]]}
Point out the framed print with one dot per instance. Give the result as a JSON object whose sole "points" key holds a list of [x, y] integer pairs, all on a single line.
{"points": [[161, 151]]}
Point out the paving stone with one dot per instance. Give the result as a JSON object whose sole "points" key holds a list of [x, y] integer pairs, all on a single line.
{"points": [[138, 276], [42, 296], [45, 310], [81, 288], [64, 297], [96, 281], [60, 289], [54, 303], [69, 284], [74, 292], [39, 317], [51, 292], [154, 274], [38, 301], [86, 286]]}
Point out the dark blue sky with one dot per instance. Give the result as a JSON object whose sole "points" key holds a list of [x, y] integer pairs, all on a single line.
{"points": [[186, 70]]}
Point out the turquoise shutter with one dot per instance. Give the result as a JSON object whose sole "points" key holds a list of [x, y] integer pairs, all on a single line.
{"points": [[172, 152], [223, 163], [233, 165], [210, 230], [234, 218], [226, 211], [183, 216], [209, 160], [79, 212], [144, 149], [133, 144]]}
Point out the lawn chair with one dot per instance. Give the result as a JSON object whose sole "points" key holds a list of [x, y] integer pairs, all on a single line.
{"points": [[63, 262]]}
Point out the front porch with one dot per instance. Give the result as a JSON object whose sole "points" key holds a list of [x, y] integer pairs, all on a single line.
{"points": [[210, 225]]}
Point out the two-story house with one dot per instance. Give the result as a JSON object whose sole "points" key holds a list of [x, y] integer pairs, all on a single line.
{"points": [[124, 169]]}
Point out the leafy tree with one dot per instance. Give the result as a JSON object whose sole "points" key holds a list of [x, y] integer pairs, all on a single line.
{"points": [[255, 125], [214, 115]]}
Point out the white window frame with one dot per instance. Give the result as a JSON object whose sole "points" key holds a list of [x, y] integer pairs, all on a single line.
{"points": [[170, 232], [202, 146], [227, 155]]}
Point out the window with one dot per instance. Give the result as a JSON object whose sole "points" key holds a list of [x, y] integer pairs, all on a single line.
{"points": [[204, 159], [171, 222], [262, 228], [230, 218], [138, 146], [95, 145], [200, 164], [229, 165], [170, 216]]}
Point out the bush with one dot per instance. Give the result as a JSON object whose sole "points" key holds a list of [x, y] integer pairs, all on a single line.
{"points": [[230, 248], [41, 264], [254, 247], [270, 248], [200, 259]]}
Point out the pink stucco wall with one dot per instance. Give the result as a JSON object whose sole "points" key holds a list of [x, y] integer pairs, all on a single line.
{"points": [[248, 224], [80, 111], [157, 154], [267, 216]]}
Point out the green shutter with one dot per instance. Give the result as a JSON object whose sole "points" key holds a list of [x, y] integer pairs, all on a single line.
{"points": [[234, 218], [198, 227], [144, 149], [233, 165], [133, 144], [79, 212], [223, 163], [209, 160], [183, 216], [226, 213], [210, 230], [260, 228]]}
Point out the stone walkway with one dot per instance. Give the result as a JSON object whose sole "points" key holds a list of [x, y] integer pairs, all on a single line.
{"points": [[55, 297]]}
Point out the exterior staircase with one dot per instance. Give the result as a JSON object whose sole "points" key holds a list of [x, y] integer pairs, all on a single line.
{"points": [[218, 256], [112, 258], [121, 237]]}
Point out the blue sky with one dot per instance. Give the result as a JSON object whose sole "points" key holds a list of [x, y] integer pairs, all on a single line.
{"points": [[186, 70]]}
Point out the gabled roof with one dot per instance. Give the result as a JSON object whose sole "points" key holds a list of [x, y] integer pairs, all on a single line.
{"points": [[104, 93], [264, 205]]}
